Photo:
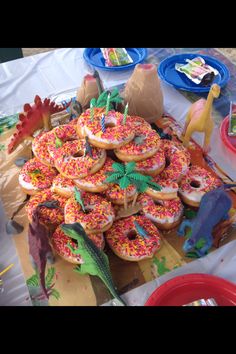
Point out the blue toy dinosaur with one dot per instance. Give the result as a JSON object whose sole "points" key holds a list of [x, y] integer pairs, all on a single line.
{"points": [[214, 207]]}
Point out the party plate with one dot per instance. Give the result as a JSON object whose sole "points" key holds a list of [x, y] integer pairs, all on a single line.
{"points": [[229, 141], [187, 288], [94, 57], [171, 76]]}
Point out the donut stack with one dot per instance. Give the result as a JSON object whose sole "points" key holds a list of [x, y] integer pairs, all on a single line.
{"points": [[71, 164]]}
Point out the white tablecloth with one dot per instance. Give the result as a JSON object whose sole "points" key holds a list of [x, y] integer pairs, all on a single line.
{"points": [[58, 74]]}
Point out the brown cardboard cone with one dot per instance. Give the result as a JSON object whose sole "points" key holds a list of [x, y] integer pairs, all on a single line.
{"points": [[143, 93], [87, 91]]}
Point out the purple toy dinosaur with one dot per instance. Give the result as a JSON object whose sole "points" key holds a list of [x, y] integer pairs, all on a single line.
{"points": [[39, 246], [214, 207]]}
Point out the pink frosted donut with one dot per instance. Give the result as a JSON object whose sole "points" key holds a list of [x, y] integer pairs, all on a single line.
{"points": [[166, 214], [195, 184], [39, 148], [63, 186], [71, 161], [49, 217], [63, 133], [59, 241], [127, 243], [116, 195], [177, 160], [116, 134], [98, 215], [169, 189], [96, 183], [153, 165], [136, 122], [86, 117], [35, 176], [144, 145]]}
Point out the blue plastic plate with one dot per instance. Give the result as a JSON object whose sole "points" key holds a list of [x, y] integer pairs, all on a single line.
{"points": [[93, 56], [171, 76]]}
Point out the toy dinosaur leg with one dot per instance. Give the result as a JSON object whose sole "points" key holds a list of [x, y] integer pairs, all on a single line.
{"points": [[206, 247], [185, 223], [206, 144], [81, 270], [188, 134], [187, 121]]}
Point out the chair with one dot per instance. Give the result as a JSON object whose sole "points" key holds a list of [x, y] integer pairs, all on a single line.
{"points": [[7, 54]]}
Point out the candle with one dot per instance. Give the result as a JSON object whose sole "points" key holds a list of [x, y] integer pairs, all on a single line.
{"points": [[91, 111], [125, 113], [103, 124], [108, 103]]}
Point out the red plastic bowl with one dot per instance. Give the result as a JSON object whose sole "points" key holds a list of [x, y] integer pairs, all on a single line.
{"points": [[190, 287], [229, 141]]}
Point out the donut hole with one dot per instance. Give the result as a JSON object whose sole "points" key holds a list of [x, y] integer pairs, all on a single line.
{"points": [[79, 154], [195, 184], [109, 125], [131, 235], [167, 161]]}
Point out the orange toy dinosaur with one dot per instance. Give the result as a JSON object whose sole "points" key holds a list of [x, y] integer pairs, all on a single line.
{"points": [[33, 118], [199, 118]]}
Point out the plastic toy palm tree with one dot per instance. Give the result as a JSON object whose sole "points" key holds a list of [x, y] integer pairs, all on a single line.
{"points": [[125, 175]]}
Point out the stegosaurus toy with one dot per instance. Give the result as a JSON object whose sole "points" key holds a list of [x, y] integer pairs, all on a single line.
{"points": [[34, 117]]}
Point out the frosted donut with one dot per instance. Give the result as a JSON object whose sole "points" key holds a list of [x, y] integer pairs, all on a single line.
{"points": [[137, 122], [96, 183], [166, 214], [71, 162], [169, 189], [49, 217], [59, 241], [126, 242], [116, 135], [63, 186], [98, 216], [144, 145], [153, 165], [64, 132], [195, 184], [116, 195], [177, 160], [86, 117], [35, 176], [40, 150]]}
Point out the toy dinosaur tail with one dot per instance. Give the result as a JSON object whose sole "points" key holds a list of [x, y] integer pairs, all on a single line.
{"points": [[42, 279]]}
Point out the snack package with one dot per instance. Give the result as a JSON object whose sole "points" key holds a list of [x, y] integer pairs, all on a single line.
{"points": [[116, 56], [198, 71], [203, 302]]}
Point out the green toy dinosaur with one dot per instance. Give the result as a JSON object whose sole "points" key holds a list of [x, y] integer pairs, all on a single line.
{"points": [[95, 261]]}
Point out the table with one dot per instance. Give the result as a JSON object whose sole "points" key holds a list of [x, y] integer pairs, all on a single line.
{"points": [[57, 75]]}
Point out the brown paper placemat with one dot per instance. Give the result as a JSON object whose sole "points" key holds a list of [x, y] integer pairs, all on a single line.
{"points": [[75, 289]]}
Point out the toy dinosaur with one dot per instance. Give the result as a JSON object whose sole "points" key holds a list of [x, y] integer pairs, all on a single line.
{"points": [[199, 118], [214, 208], [39, 246], [33, 118], [95, 261]]}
